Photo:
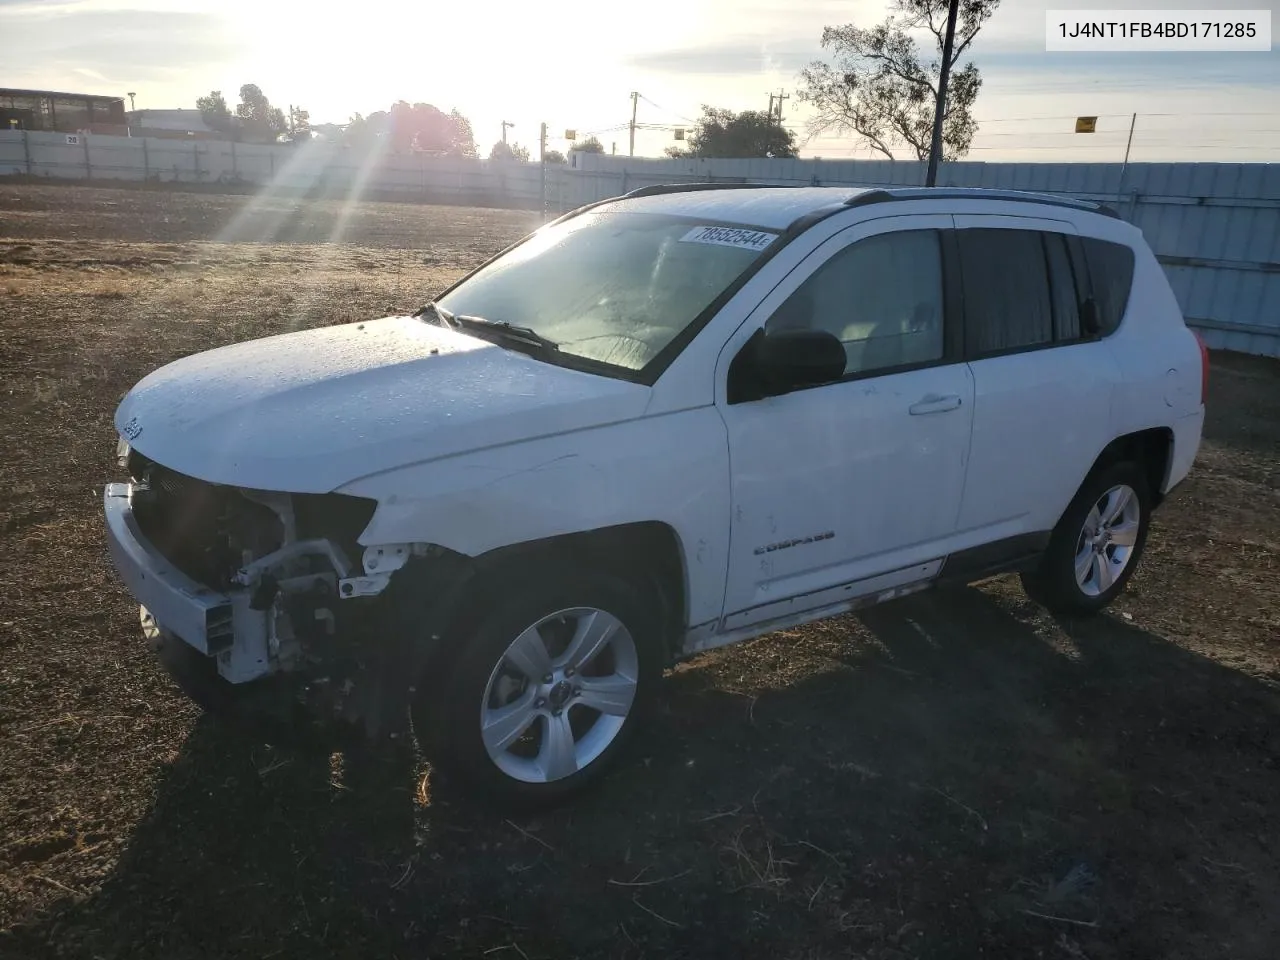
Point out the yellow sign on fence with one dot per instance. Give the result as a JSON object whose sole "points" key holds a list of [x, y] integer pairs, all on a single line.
{"points": [[1086, 124]]}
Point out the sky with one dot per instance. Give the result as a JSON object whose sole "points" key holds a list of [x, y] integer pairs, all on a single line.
{"points": [[574, 63]]}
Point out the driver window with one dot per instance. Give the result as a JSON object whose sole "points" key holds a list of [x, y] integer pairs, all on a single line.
{"points": [[881, 296]]}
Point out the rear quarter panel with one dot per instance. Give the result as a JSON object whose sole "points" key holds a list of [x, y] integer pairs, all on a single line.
{"points": [[1158, 357]]}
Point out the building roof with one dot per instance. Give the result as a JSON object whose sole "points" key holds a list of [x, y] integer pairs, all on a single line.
{"points": [[15, 92]]}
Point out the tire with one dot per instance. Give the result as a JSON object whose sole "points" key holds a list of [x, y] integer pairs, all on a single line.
{"points": [[550, 623], [1107, 553]]}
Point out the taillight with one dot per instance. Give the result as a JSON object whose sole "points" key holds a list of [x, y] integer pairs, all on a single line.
{"points": [[1204, 369]]}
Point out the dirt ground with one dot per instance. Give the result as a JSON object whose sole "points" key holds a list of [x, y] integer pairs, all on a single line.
{"points": [[958, 775]]}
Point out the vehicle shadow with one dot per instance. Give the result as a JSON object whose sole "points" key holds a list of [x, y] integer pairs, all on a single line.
{"points": [[953, 774]]}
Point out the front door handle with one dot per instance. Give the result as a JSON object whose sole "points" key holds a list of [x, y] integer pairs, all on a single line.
{"points": [[933, 403]]}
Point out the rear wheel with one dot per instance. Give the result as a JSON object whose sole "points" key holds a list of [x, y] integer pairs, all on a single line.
{"points": [[1095, 548], [546, 688]]}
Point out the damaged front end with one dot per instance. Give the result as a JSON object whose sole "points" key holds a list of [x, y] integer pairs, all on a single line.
{"points": [[271, 591]]}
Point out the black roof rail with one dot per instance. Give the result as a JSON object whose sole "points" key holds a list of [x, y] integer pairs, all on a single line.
{"points": [[869, 196], [658, 189], [976, 193]]}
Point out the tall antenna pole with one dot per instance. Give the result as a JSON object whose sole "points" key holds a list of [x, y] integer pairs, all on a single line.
{"points": [[940, 108]]}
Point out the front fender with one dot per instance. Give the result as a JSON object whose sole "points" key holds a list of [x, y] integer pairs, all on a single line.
{"points": [[673, 469]]}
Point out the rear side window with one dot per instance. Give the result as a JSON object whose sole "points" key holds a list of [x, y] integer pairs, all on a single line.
{"points": [[1006, 290], [1111, 276], [1063, 288]]}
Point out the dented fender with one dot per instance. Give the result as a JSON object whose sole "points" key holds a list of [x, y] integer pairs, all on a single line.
{"points": [[673, 469]]}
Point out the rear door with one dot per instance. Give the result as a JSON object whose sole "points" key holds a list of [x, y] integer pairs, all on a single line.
{"points": [[1043, 386]]}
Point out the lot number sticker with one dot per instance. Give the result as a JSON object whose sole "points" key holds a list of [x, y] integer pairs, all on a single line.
{"points": [[730, 237]]}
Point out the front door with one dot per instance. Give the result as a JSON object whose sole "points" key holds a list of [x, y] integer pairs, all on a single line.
{"points": [[849, 488]]}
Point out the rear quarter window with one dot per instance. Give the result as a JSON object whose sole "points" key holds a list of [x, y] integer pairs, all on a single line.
{"points": [[1111, 277]]}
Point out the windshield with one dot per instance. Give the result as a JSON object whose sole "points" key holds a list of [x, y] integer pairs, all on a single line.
{"points": [[611, 287]]}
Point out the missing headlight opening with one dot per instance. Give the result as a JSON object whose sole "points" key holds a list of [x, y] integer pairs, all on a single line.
{"points": [[284, 572]]}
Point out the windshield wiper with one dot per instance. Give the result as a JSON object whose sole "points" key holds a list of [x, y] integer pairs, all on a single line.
{"points": [[505, 330], [443, 316]]}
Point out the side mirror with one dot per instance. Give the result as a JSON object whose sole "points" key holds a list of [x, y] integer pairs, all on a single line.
{"points": [[790, 359]]}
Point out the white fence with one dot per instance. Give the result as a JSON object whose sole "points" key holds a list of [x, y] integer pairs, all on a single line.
{"points": [[1214, 226], [317, 167]]}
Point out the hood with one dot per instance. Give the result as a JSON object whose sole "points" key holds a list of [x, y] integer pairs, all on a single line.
{"points": [[308, 412]]}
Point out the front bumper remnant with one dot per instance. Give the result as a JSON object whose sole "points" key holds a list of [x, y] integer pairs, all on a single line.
{"points": [[219, 625]]}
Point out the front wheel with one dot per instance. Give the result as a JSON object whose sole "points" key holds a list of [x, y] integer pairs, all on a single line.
{"points": [[547, 688], [1094, 550]]}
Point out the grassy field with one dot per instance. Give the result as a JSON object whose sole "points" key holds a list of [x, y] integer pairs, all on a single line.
{"points": [[952, 776]]}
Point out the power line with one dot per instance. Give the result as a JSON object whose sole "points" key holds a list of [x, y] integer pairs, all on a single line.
{"points": [[1121, 116], [614, 128], [1235, 133], [665, 110], [1225, 145]]}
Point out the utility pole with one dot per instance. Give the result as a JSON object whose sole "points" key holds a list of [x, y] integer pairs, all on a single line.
{"points": [[542, 157], [504, 130], [939, 110], [635, 99], [1132, 123], [782, 95], [131, 96]]}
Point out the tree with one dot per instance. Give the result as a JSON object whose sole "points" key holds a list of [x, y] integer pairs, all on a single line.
{"points": [[299, 124], [464, 141], [259, 120], [589, 145], [876, 86], [553, 156], [504, 151], [427, 129], [751, 133], [214, 111]]}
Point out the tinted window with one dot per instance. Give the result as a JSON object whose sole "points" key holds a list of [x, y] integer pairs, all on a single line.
{"points": [[1006, 290], [881, 296], [1062, 285], [1111, 275]]}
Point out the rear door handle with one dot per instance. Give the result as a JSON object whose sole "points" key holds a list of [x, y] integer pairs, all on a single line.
{"points": [[933, 403]]}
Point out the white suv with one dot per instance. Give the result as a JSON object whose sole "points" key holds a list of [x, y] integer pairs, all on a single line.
{"points": [[663, 423]]}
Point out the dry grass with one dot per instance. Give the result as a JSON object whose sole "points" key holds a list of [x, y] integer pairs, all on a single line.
{"points": [[937, 778]]}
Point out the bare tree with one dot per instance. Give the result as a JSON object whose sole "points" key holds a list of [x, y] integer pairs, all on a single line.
{"points": [[875, 85]]}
